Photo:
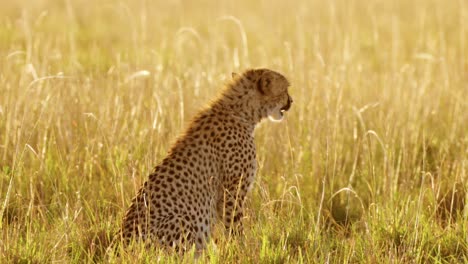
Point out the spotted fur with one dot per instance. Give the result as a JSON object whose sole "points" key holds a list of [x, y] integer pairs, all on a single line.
{"points": [[209, 169]]}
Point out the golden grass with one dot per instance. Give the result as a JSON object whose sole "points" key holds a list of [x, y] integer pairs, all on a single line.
{"points": [[369, 166]]}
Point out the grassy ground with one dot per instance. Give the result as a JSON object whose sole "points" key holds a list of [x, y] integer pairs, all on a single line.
{"points": [[370, 165]]}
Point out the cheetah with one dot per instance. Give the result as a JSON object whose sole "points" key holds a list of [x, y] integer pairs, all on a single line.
{"points": [[210, 168]]}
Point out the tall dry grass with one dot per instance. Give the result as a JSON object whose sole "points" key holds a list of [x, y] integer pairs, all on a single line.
{"points": [[369, 166]]}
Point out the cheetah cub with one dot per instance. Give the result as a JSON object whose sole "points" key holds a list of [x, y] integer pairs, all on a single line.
{"points": [[209, 169]]}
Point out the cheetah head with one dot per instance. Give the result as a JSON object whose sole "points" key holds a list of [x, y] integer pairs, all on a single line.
{"points": [[271, 92]]}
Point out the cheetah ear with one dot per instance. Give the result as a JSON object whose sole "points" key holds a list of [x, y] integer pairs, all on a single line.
{"points": [[264, 84], [234, 75]]}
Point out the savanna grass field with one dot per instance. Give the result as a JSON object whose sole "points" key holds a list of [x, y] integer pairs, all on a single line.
{"points": [[369, 165]]}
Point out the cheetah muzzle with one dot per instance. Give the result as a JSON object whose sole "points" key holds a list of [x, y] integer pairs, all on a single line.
{"points": [[287, 106]]}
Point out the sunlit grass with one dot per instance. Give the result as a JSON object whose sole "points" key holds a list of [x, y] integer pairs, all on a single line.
{"points": [[370, 164]]}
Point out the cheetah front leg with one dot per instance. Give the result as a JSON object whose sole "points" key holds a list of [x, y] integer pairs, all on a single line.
{"points": [[231, 212], [230, 207]]}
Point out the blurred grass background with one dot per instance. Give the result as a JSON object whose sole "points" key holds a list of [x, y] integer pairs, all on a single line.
{"points": [[369, 165]]}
